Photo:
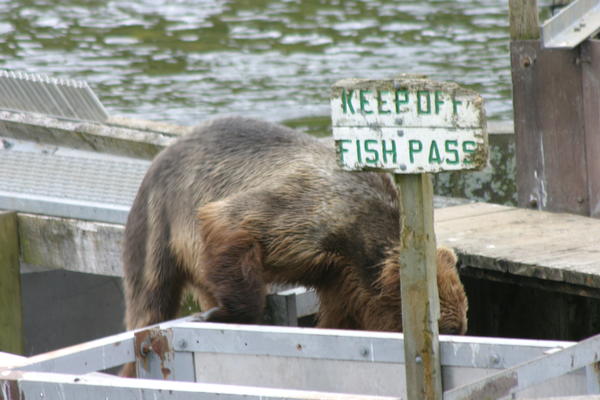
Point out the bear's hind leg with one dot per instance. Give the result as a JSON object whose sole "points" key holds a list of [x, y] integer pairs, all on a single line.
{"points": [[233, 266], [235, 280], [154, 296]]}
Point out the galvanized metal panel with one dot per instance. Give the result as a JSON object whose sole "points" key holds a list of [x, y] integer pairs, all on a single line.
{"points": [[374, 379], [378, 379], [311, 343], [306, 300], [37, 385], [96, 355], [289, 342], [65, 98], [530, 373], [64, 207], [408, 125], [343, 345], [569, 384], [73, 187], [572, 25], [344, 361]]}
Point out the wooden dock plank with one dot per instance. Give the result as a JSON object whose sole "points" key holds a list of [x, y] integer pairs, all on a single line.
{"points": [[469, 210], [517, 242], [522, 242]]}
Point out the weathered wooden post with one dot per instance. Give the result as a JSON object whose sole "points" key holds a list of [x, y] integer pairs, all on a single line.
{"points": [[557, 124], [11, 324], [411, 127]]}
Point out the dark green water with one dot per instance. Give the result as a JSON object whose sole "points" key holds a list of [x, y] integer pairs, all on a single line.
{"points": [[182, 61]]}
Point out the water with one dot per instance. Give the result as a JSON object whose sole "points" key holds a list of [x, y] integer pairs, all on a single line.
{"points": [[185, 60]]}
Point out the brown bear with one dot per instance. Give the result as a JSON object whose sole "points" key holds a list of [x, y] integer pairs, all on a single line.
{"points": [[240, 203]]}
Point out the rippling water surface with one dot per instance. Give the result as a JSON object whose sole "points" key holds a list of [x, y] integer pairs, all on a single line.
{"points": [[184, 60]]}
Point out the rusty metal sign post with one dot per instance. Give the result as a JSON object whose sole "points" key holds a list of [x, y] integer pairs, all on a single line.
{"points": [[412, 126]]}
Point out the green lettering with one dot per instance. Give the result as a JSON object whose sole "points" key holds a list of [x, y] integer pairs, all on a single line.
{"points": [[358, 152], [373, 152], [340, 148], [385, 151], [347, 101], [437, 101], [414, 146], [434, 153], [381, 102], [399, 102], [364, 102], [420, 109], [452, 150], [455, 104], [469, 147]]}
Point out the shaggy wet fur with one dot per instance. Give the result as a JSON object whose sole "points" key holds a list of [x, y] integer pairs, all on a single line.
{"points": [[240, 203]]}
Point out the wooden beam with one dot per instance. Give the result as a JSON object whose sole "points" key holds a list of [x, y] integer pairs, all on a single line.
{"points": [[550, 128], [590, 65], [74, 245], [122, 137], [418, 284], [524, 21], [11, 322]]}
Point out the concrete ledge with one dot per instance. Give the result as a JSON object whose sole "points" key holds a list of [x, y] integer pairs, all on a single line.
{"points": [[138, 139]]}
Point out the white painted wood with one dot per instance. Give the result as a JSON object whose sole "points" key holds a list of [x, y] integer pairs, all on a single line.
{"points": [[408, 125], [408, 150], [410, 103]]}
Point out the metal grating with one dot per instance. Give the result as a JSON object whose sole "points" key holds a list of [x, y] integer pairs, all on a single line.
{"points": [[91, 188], [63, 98], [74, 187]]}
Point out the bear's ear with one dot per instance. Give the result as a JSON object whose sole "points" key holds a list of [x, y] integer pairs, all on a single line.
{"points": [[446, 258]]}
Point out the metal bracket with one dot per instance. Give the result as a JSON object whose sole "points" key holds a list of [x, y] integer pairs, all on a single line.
{"points": [[157, 359], [574, 24]]}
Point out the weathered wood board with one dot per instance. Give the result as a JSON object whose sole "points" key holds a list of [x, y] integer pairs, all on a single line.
{"points": [[118, 136], [71, 244], [590, 51], [521, 242]]}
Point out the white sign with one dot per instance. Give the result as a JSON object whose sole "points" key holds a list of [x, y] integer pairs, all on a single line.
{"points": [[408, 125]]}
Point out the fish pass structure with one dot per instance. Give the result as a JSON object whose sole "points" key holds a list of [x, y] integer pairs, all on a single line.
{"points": [[183, 359]]}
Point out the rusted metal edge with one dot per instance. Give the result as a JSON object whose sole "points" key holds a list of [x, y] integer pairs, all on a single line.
{"points": [[157, 341]]}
